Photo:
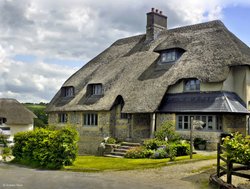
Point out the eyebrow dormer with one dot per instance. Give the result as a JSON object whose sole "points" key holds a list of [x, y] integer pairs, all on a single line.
{"points": [[67, 91], [95, 89], [170, 55]]}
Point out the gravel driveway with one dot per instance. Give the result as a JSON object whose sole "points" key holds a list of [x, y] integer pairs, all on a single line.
{"points": [[176, 176]]}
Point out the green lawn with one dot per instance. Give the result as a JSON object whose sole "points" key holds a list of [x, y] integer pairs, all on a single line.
{"points": [[94, 163]]}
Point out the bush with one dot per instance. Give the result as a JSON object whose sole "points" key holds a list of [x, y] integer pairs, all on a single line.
{"points": [[3, 140], [237, 148], [111, 140], [167, 130], [153, 144], [46, 148], [198, 141], [178, 149], [138, 152], [160, 154], [6, 153]]}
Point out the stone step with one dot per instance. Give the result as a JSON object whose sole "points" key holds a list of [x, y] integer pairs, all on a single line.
{"points": [[118, 153], [113, 156], [121, 150], [130, 144]]}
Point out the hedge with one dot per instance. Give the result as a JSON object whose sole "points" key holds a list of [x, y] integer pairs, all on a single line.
{"points": [[237, 148], [46, 147]]}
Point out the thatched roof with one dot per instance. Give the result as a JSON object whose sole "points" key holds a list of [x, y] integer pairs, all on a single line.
{"points": [[15, 112], [128, 67]]}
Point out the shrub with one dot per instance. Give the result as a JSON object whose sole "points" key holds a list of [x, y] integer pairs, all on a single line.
{"points": [[160, 154], [178, 149], [111, 140], [153, 144], [46, 148], [138, 152], [6, 153], [167, 130], [237, 148], [3, 140], [198, 141]]}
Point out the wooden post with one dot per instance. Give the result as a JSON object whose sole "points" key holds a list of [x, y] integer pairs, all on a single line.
{"points": [[229, 171], [191, 137], [218, 160]]}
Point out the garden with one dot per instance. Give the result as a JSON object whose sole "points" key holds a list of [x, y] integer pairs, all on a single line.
{"points": [[166, 144]]}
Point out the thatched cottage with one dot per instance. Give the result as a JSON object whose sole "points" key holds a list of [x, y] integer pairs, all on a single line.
{"points": [[14, 117], [199, 71]]}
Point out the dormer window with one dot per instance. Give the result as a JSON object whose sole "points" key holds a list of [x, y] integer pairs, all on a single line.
{"points": [[191, 85], [67, 91], [95, 89], [170, 55]]}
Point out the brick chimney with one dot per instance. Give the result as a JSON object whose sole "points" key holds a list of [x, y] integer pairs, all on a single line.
{"points": [[156, 22]]}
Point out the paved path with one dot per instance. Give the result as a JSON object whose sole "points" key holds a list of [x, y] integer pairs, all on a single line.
{"points": [[173, 177]]}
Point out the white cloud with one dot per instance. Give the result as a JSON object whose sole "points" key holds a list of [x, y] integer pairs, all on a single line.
{"points": [[31, 82], [77, 30]]}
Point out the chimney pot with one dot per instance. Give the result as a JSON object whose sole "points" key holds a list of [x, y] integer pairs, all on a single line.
{"points": [[156, 22]]}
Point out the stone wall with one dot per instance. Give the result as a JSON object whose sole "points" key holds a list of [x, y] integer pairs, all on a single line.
{"points": [[141, 126], [90, 136], [162, 118], [121, 125], [235, 123], [212, 138]]}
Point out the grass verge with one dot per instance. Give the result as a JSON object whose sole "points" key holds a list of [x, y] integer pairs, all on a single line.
{"points": [[97, 164]]}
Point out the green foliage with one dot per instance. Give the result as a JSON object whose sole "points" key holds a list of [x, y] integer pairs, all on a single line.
{"points": [[46, 148], [3, 140], [39, 111], [6, 153], [167, 130], [138, 152], [153, 144], [181, 149], [160, 153], [198, 141], [238, 148], [111, 140]]}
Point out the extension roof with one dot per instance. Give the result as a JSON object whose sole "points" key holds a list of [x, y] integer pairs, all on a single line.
{"points": [[15, 112], [206, 102], [128, 68]]}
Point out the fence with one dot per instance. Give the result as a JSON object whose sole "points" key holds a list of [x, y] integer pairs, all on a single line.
{"points": [[229, 169]]}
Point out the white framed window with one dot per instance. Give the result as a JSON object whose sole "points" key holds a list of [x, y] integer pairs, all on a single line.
{"points": [[97, 89], [90, 119], [170, 55], [192, 85], [211, 122], [67, 91], [62, 118]]}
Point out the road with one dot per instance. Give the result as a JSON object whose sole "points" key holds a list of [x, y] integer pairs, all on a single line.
{"points": [[179, 176]]}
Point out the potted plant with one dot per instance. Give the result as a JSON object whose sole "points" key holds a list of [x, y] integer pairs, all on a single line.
{"points": [[200, 143]]}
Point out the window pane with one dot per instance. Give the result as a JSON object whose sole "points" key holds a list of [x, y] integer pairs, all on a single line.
{"points": [[210, 122], [192, 85]]}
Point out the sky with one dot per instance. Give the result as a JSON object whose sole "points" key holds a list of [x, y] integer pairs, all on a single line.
{"points": [[43, 42]]}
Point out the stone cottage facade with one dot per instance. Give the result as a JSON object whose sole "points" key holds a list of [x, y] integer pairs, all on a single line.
{"points": [[198, 72]]}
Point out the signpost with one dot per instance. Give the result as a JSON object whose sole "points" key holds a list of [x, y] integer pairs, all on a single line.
{"points": [[198, 125]]}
